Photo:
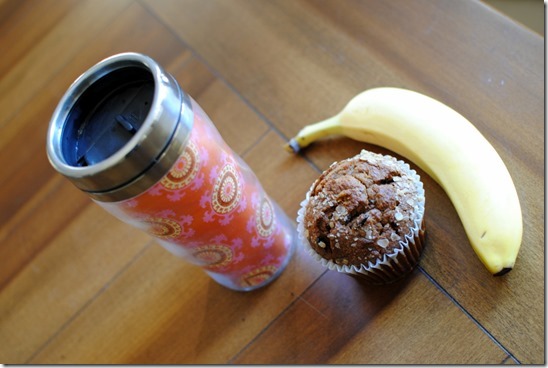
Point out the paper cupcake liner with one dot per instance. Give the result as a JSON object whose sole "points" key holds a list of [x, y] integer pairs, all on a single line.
{"points": [[390, 267]]}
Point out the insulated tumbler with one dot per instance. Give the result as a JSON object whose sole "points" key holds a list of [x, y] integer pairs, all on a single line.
{"points": [[126, 134]]}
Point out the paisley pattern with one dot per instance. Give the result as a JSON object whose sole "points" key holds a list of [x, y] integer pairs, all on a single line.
{"points": [[213, 256], [227, 191], [185, 169], [265, 219], [211, 210], [258, 276], [163, 228]]}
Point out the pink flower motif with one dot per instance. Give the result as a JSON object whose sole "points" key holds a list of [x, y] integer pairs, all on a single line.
{"points": [[237, 243], [186, 219], [213, 174], [225, 219], [188, 233], [166, 213], [250, 226], [204, 154], [255, 200], [269, 242], [219, 238], [267, 259], [156, 190], [238, 258], [175, 196], [255, 242], [205, 199], [242, 205], [131, 203], [208, 216], [198, 182]]}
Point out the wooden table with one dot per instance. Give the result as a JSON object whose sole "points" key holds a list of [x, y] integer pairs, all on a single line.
{"points": [[78, 286]]}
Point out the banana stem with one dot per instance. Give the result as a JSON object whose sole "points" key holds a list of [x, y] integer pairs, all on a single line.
{"points": [[312, 132]]}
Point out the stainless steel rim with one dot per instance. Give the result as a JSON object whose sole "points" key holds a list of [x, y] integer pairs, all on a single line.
{"points": [[148, 155]]}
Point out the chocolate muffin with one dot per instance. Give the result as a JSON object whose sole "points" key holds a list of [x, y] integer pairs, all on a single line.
{"points": [[364, 216]]}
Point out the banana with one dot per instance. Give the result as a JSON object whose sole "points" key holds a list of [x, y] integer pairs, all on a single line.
{"points": [[447, 147]]}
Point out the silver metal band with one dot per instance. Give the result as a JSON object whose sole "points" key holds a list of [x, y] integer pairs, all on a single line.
{"points": [[151, 151]]}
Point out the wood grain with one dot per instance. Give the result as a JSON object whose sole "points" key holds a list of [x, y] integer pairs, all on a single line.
{"points": [[238, 125], [77, 286], [79, 262], [351, 323]]}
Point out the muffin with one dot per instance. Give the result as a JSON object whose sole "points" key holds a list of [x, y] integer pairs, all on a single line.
{"points": [[364, 216]]}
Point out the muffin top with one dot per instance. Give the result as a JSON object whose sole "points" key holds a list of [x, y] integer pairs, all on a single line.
{"points": [[361, 208]]}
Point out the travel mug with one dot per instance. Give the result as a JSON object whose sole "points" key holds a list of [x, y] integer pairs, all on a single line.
{"points": [[126, 134]]}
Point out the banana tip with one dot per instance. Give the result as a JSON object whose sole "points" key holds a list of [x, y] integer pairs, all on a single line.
{"points": [[504, 271], [292, 146]]}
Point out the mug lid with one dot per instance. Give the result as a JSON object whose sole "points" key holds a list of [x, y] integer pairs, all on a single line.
{"points": [[119, 127]]}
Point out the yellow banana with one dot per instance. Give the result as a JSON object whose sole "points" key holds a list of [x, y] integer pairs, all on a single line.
{"points": [[448, 148]]}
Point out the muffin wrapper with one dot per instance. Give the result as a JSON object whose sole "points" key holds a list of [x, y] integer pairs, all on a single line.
{"points": [[391, 267]]}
